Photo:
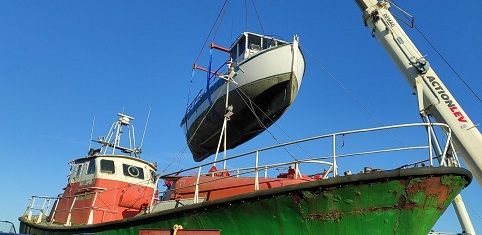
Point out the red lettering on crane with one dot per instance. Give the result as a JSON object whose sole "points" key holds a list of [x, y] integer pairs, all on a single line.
{"points": [[458, 114]]}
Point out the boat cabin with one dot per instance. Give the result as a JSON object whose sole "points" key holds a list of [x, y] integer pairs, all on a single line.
{"points": [[106, 185], [249, 44], [105, 188]]}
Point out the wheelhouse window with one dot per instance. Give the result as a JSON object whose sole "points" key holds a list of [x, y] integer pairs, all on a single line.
{"points": [[153, 175], [254, 42], [268, 43], [107, 166], [133, 171], [91, 167], [234, 52], [241, 47]]}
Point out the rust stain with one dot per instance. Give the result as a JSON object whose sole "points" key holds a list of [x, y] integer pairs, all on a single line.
{"points": [[296, 198], [418, 188], [331, 216], [403, 204], [430, 186]]}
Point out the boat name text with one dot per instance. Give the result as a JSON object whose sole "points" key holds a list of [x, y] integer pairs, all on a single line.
{"points": [[447, 99]]}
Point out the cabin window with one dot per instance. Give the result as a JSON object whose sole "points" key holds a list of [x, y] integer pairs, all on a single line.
{"points": [[254, 42], [234, 52], [107, 166], [133, 171], [241, 47], [79, 170], [268, 42], [153, 175], [91, 167]]}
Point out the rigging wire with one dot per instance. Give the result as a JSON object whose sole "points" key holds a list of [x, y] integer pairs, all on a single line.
{"points": [[217, 23], [145, 127], [454, 71], [218, 19], [213, 32], [180, 154], [259, 19], [442, 57], [91, 132], [251, 108], [354, 98], [246, 13], [448, 64], [474, 211], [257, 15]]}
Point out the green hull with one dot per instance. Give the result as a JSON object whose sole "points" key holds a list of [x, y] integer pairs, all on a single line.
{"points": [[406, 201]]}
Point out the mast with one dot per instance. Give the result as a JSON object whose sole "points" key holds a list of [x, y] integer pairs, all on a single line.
{"points": [[434, 98], [113, 139]]}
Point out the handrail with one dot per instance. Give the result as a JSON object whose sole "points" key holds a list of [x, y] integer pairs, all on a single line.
{"points": [[343, 133], [333, 166], [44, 208]]}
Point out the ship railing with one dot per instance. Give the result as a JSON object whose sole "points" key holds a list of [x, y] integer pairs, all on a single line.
{"points": [[38, 209], [431, 146], [238, 172], [265, 168]]}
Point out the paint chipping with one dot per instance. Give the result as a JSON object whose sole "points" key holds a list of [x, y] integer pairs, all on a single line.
{"points": [[334, 216], [430, 186]]}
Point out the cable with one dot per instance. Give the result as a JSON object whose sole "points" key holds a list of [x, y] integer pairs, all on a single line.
{"points": [[442, 57], [259, 19], [448, 64], [220, 16], [354, 98]]}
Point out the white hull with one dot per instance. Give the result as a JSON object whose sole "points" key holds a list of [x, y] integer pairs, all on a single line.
{"points": [[278, 66]]}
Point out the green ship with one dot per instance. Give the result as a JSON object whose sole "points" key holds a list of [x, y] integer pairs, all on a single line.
{"points": [[390, 202], [289, 188], [408, 199]]}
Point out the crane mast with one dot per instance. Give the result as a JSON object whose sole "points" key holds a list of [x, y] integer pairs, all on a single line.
{"points": [[434, 98]]}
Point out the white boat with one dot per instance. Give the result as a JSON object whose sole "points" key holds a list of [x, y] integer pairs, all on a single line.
{"points": [[266, 78]]}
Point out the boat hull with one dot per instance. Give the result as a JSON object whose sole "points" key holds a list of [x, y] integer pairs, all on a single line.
{"points": [[267, 85], [403, 201]]}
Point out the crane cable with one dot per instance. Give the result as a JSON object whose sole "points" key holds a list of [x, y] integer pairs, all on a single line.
{"points": [[251, 106], [213, 31], [441, 56], [217, 23], [355, 98], [448, 64]]}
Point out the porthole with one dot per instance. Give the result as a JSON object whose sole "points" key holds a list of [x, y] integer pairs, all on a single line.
{"points": [[133, 171]]}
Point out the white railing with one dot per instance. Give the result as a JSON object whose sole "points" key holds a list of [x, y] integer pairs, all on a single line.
{"points": [[36, 211], [331, 159], [40, 211]]}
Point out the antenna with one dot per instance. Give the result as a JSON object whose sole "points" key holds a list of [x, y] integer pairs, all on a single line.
{"points": [[145, 127], [91, 132]]}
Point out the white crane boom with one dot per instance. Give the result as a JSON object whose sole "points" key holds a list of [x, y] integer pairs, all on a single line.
{"points": [[433, 97]]}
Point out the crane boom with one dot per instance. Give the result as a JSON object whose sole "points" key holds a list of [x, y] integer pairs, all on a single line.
{"points": [[433, 97]]}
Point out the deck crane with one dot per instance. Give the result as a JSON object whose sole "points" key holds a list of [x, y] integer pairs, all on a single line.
{"points": [[434, 99]]}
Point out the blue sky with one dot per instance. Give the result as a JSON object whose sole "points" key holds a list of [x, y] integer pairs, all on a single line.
{"points": [[64, 62]]}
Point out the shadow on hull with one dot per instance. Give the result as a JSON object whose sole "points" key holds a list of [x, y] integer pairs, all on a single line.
{"points": [[256, 106]]}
